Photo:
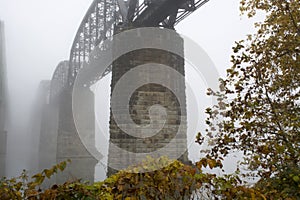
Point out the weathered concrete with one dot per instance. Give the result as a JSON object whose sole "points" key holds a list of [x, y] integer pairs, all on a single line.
{"points": [[142, 99], [69, 145]]}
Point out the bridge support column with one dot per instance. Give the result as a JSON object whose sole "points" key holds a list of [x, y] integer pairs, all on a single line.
{"points": [[69, 145], [48, 140], [140, 102]]}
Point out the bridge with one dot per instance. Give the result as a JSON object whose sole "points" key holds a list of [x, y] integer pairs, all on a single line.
{"points": [[102, 16], [103, 19]]}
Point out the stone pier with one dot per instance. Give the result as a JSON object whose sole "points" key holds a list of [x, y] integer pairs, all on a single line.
{"points": [[69, 145], [145, 97]]}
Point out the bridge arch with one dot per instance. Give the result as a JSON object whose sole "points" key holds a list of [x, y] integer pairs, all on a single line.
{"points": [[59, 80], [97, 25]]}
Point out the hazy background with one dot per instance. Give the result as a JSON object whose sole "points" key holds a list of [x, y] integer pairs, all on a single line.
{"points": [[39, 35]]}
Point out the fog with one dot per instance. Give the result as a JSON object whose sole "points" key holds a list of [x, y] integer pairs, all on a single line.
{"points": [[39, 35]]}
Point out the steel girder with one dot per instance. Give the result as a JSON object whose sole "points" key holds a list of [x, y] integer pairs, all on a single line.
{"points": [[103, 15], [165, 13], [182, 14]]}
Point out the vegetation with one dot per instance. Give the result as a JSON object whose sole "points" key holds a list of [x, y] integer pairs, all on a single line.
{"points": [[258, 111], [176, 181], [258, 114]]}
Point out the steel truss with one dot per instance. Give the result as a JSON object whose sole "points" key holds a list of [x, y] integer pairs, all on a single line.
{"points": [[59, 80], [104, 15]]}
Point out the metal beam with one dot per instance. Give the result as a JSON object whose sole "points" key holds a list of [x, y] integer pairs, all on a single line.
{"points": [[133, 4], [123, 9]]}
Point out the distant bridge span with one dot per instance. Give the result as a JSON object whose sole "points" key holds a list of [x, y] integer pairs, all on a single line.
{"points": [[100, 23]]}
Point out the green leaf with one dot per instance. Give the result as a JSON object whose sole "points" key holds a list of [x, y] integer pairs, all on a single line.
{"points": [[296, 179]]}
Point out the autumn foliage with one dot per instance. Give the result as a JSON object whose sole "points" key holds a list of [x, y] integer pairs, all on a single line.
{"points": [[258, 110], [173, 181], [257, 114]]}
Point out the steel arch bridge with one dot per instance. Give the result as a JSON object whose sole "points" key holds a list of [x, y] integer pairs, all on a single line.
{"points": [[102, 19], [99, 24], [104, 15]]}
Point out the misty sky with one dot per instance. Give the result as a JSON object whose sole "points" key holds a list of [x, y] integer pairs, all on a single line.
{"points": [[39, 35]]}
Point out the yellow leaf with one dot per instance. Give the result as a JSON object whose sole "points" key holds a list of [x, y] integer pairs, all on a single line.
{"points": [[48, 172]]}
